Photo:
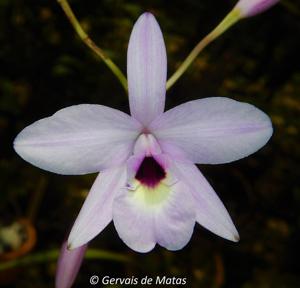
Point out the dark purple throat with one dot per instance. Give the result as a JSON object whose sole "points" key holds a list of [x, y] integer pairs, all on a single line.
{"points": [[150, 173]]}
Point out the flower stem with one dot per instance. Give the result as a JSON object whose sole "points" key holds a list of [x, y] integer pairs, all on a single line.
{"points": [[91, 44], [52, 255], [231, 18], [36, 199]]}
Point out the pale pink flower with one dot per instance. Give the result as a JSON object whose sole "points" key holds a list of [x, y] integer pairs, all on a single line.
{"points": [[68, 265], [149, 185], [249, 8]]}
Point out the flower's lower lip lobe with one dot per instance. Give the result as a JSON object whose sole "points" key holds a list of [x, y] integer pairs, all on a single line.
{"points": [[150, 172]]}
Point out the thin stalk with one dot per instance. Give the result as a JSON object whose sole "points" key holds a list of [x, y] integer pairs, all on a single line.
{"points": [[91, 44], [36, 199], [225, 24], [52, 255]]}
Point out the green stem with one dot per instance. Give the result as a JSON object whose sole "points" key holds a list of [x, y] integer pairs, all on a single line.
{"points": [[91, 44], [226, 23], [52, 255], [36, 199]]}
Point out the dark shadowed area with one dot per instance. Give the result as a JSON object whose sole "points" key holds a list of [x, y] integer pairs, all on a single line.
{"points": [[45, 67]]}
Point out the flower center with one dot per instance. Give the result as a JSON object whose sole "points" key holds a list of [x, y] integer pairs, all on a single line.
{"points": [[150, 173]]}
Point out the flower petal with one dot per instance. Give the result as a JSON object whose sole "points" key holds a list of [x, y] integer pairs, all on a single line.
{"points": [[68, 265], [146, 69], [78, 140], [96, 212], [164, 215], [211, 212], [174, 224], [214, 130], [134, 226]]}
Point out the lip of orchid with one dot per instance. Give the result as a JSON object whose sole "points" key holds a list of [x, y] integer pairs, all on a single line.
{"points": [[165, 193], [150, 173], [148, 166]]}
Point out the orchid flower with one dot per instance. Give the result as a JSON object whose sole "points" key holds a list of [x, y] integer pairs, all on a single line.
{"points": [[248, 8], [149, 184], [68, 265]]}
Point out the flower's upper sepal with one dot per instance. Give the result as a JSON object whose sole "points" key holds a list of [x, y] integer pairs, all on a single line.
{"points": [[146, 69], [248, 8]]}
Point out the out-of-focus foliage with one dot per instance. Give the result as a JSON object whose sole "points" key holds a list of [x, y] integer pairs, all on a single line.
{"points": [[44, 67]]}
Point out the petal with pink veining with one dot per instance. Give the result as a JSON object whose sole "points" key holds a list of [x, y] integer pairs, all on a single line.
{"points": [[213, 130], [79, 139]]}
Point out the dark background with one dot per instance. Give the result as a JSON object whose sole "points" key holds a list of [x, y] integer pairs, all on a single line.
{"points": [[45, 67]]}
